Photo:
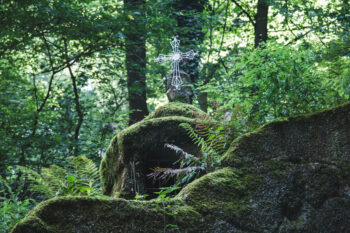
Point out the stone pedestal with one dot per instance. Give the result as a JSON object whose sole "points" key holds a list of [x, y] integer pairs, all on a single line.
{"points": [[184, 94]]}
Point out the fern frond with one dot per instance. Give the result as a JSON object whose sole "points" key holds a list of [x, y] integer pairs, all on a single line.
{"points": [[6, 185], [199, 141], [38, 182], [214, 134], [81, 178], [85, 169], [184, 155], [167, 173]]}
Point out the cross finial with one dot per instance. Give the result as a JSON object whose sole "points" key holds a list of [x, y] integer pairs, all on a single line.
{"points": [[176, 57]]}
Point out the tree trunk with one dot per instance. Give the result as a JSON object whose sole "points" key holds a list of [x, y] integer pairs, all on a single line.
{"points": [[203, 101], [189, 30], [260, 26], [135, 46]]}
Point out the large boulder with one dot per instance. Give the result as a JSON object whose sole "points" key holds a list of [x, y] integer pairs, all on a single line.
{"points": [[94, 215], [139, 148], [288, 176]]}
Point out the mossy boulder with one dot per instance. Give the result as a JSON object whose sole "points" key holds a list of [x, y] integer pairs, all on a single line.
{"points": [[139, 148], [289, 176], [176, 109], [322, 137], [95, 215]]}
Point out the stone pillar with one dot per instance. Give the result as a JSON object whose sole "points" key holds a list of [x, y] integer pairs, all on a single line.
{"points": [[184, 94]]}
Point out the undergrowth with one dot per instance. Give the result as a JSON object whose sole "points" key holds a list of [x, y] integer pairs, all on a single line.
{"points": [[211, 137]]}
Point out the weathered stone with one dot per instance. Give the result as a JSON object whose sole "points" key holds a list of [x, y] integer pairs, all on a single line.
{"points": [[93, 215], [288, 176], [184, 94], [320, 137], [140, 147]]}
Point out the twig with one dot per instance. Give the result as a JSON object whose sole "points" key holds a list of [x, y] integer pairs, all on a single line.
{"points": [[244, 11]]}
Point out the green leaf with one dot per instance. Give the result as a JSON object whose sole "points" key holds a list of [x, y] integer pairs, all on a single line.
{"points": [[71, 179]]}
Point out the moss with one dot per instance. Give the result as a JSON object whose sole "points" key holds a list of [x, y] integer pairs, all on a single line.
{"points": [[31, 224], [236, 151], [225, 190], [288, 176], [305, 138], [176, 109], [135, 143], [107, 166], [81, 214]]}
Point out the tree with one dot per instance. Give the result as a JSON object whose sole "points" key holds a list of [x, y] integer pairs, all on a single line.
{"points": [[135, 49], [259, 21], [260, 24], [190, 30], [44, 55]]}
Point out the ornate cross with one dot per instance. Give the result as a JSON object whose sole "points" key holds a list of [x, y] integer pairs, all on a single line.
{"points": [[176, 57]]}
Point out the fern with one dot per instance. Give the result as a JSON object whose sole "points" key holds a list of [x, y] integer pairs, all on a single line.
{"points": [[80, 178], [216, 133], [12, 207], [208, 147], [38, 182], [212, 137], [87, 172], [211, 146]]}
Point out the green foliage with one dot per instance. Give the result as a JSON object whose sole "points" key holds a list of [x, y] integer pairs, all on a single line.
{"points": [[12, 208], [140, 196], [336, 65], [80, 178], [303, 67], [209, 146], [273, 82], [211, 142], [164, 195]]}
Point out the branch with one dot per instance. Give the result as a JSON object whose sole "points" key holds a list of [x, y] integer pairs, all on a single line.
{"points": [[224, 29], [42, 105], [76, 99], [51, 78], [211, 30], [244, 11]]}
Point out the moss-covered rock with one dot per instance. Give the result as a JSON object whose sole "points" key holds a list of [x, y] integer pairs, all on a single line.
{"points": [[288, 176], [140, 147], [88, 215], [320, 137], [176, 109]]}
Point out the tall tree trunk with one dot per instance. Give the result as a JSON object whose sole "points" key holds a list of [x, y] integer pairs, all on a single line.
{"points": [[135, 46], [189, 30], [260, 26]]}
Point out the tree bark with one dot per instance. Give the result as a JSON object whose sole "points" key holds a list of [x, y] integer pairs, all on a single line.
{"points": [[135, 48], [189, 30], [261, 19]]}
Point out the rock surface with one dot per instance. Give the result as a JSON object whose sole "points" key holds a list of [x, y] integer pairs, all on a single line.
{"points": [[288, 176], [139, 148], [184, 94]]}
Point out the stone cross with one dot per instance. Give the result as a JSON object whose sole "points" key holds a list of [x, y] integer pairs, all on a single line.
{"points": [[176, 57]]}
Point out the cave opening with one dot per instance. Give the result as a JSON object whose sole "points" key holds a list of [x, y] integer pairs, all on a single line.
{"points": [[164, 158]]}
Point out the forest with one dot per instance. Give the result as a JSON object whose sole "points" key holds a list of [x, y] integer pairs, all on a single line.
{"points": [[75, 73]]}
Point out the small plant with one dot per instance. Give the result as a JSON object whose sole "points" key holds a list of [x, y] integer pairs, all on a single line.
{"points": [[12, 209], [166, 193], [81, 178], [141, 196], [163, 196]]}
